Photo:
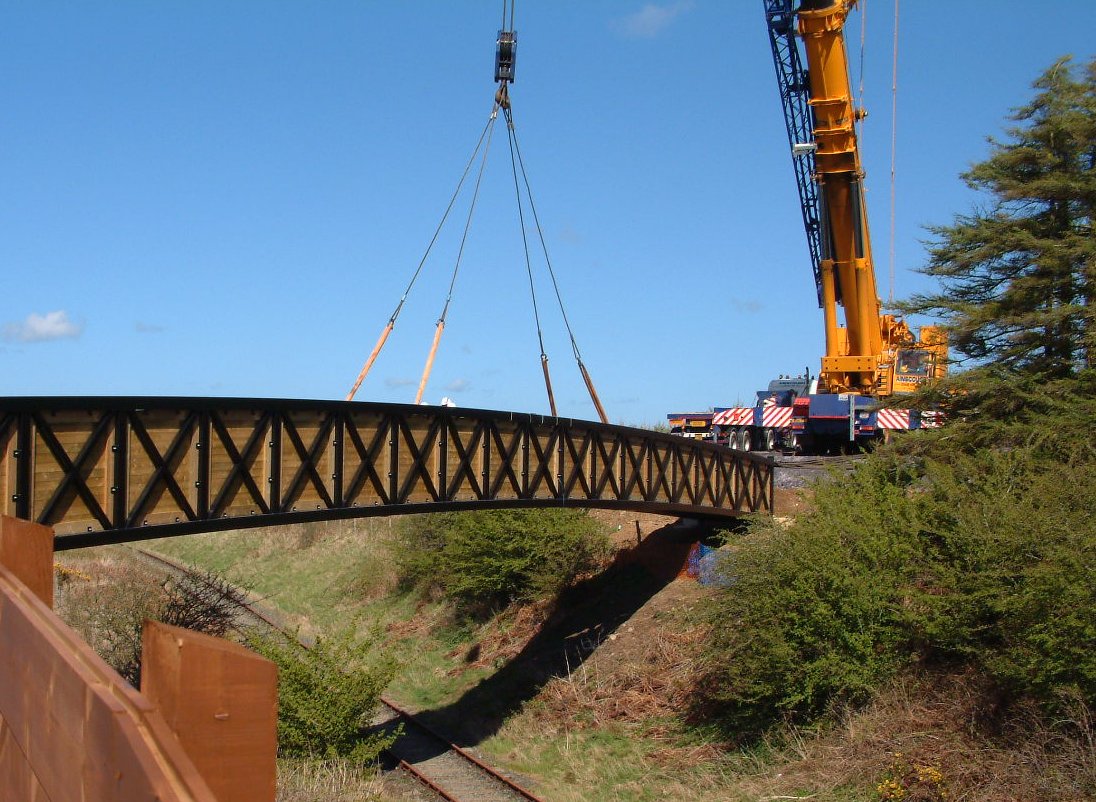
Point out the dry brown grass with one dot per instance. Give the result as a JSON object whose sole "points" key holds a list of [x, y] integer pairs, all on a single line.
{"points": [[934, 725], [328, 781], [645, 687], [504, 637]]}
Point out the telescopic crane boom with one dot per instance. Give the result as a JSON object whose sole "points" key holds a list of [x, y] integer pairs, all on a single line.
{"points": [[872, 354]]}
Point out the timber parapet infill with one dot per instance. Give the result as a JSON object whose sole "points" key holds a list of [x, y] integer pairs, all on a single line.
{"points": [[114, 469]]}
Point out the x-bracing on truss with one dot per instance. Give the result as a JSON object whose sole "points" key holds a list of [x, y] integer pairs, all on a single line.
{"points": [[505, 52]]}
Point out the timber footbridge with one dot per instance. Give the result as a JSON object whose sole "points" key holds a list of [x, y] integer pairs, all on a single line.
{"points": [[111, 469]]}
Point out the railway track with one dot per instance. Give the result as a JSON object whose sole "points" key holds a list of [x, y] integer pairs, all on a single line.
{"points": [[449, 772], [452, 773]]}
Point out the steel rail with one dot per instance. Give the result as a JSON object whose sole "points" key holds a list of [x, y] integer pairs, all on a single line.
{"points": [[493, 773]]}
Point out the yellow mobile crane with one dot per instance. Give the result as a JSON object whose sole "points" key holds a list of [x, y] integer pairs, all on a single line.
{"points": [[866, 355], [873, 355]]}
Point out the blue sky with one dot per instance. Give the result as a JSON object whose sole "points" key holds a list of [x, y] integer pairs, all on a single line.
{"points": [[228, 198]]}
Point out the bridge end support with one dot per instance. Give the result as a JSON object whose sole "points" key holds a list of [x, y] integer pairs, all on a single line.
{"points": [[221, 700]]}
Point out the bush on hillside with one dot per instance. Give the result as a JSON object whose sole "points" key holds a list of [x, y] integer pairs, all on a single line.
{"points": [[109, 608], [983, 559], [327, 694], [483, 560]]}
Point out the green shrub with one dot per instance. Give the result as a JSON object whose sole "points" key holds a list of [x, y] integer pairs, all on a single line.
{"points": [[327, 694], [984, 559], [1014, 555], [485, 559], [808, 618]]}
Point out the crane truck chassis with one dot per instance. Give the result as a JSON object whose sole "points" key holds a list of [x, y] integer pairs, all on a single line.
{"points": [[791, 419]]}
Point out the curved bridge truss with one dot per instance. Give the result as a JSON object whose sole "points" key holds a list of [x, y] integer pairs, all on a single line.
{"points": [[109, 470]]}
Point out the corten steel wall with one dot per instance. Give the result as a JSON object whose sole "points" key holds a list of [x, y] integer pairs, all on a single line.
{"points": [[102, 470], [71, 729]]}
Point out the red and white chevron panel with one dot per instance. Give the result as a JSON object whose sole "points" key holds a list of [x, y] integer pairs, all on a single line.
{"points": [[776, 417], [931, 419], [735, 416], [893, 419]]}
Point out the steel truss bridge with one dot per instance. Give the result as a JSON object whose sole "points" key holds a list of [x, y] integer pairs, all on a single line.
{"points": [[110, 470]]}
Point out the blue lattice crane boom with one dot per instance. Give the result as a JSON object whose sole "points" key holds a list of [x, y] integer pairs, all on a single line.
{"points": [[791, 77]]}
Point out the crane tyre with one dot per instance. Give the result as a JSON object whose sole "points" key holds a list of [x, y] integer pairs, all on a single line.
{"points": [[746, 442], [768, 440]]}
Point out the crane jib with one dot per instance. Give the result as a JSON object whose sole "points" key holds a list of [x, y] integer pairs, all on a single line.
{"points": [[799, 121]]}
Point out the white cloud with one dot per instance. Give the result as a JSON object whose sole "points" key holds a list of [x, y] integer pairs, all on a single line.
{"points": [[398, 381], [148, 328], [39, 328], [651, 20], [458, 386]]}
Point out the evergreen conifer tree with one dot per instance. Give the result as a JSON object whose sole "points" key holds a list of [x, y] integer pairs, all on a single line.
{"points": [[1018, 277]]}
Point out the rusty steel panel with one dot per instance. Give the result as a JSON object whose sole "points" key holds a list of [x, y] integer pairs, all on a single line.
{"points": [[103, 470], [26, 549], [221, 701], [70, 727]]}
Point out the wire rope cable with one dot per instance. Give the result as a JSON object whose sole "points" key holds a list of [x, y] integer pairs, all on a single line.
{"points": [[418, 270], [471, 160], [456, 266], [529, 266], [503, 76], [551, 271], [471, 211], [894, 150], [540, 235]]}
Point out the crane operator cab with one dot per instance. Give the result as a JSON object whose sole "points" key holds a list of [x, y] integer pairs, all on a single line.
{"points": [[913, 367]]}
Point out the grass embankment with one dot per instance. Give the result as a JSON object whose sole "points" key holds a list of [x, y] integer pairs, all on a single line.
{"points": [[614, 726], [322, 578]]}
